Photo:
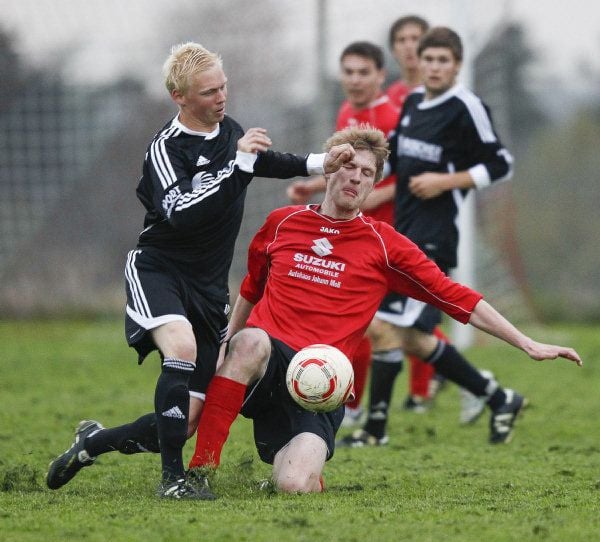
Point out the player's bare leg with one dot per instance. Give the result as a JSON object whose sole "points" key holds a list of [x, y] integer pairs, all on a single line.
{"points": [[298, 466]]}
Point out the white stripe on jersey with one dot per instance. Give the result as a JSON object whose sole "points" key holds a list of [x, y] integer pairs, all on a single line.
{"points": [[478, 114], [160, 158], [137, 293]]}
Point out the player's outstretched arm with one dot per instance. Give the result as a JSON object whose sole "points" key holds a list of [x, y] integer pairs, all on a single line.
{"points": [[488, 319]]}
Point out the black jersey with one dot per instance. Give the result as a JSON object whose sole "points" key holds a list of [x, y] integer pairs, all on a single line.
{"points": [[450, 133], [193, 187]]}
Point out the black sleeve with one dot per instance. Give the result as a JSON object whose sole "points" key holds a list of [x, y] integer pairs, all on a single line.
{"points": [[483, 145], [279, 165]]}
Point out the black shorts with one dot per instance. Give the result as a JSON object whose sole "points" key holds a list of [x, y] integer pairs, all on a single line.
{"points": [[157, 293], [277, 418], [404, 311]]}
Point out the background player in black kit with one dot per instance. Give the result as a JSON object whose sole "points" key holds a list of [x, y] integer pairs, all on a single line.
{"points": [[193, 188], [443, 146]]}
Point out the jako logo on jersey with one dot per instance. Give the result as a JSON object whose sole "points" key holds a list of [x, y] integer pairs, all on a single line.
{"points": [[331, 231], [170, 199], [405, 121], [322, 246], [202, 161], [421, 150], [309, 259]]}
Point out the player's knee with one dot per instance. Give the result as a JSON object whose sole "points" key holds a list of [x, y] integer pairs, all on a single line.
{"points": [[298, 483], [176, 340], [250, 348], [186, 349], [383, 335], [419, 344]]}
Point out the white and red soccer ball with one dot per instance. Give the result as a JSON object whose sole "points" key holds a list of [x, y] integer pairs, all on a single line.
{"points": [[320, 378]]}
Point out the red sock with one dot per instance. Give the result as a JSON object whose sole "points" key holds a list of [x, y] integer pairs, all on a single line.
{"points": [[322, 483], [420, 372], [224, 398], [361, 362], [420, 375]]}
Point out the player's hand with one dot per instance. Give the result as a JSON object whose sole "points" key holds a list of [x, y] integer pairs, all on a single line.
{"points": [[337, 157], [299, 192], [541, 352], [254, 140], [427, 185]]}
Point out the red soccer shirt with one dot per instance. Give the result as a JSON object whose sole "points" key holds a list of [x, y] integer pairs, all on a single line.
{"points": [[383, 115], [398, 92], [314, 279]]}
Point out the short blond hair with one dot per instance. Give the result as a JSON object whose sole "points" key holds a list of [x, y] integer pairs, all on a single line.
{"points": [[363, 137], [186, 60]]}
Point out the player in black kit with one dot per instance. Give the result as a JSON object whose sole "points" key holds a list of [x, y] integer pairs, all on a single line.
{"points": [[444, 145], [193, 188]]}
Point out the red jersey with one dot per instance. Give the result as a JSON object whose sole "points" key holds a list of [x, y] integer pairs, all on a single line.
{"points": [[383, 115], [314, 279], [398, 92]]}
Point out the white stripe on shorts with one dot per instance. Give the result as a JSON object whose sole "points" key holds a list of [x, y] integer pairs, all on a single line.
{"points": [[137, 293], [151, 323], [412, 310]]}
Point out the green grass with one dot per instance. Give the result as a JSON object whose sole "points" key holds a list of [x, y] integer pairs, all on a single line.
{"points": [[435, 481]]}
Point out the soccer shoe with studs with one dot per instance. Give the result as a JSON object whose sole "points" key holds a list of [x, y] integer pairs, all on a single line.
{"points": [[68, 464], [193, 486], [361, 438], [503, 418]]}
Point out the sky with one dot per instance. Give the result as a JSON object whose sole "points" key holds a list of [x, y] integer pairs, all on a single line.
{"points": [[112, 37]]}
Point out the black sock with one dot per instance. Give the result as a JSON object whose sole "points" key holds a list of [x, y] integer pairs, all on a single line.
{"points": [[171, 404], [385, 368], [450, 363], [130, 438]]}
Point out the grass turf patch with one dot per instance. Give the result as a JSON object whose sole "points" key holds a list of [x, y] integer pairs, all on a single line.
{"points": [[435, 481]]}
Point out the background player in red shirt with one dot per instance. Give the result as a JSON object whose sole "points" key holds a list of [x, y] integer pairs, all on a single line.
{"points": [[403, 40], [362, 76], [285, 310]]}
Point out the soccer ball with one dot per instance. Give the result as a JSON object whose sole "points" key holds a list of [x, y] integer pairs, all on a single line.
{"points": [[320, 378]]}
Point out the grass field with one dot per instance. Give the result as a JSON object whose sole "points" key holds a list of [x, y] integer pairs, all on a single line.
{"points": [[435, 481]]}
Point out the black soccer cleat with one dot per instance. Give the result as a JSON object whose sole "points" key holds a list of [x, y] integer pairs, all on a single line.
{"points": [[359, 439], [503, 418], [68, 464], [194, 486]]}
